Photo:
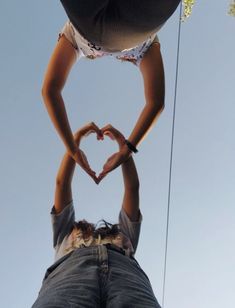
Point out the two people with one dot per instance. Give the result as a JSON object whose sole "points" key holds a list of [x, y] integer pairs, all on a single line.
{"points": [[124, 29], [95, 265]]}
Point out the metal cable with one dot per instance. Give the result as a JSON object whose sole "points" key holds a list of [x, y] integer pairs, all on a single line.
{"points": [[171, 157]]}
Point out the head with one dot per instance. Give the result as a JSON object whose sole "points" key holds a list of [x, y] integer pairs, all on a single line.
{"points": [[102, 228]]}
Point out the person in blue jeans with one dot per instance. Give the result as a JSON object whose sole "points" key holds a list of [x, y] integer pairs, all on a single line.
{"points": [[94, 264], [124, 29]]}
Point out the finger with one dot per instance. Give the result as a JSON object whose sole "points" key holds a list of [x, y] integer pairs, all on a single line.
{"points": [[94, 177], [84, 164], [87, 169], [85, 161], [108, 127], [111, 163], [113, 133], [98, 131], [90, 131], [109, 134], [96, 180], [92, 128], [112, 157], [101, 176], [90, 172], [106, 169]]}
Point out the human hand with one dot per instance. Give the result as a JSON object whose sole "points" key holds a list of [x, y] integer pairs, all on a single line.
{"points": [[79, 156], [114, 134], [117, 158], [81, 159], [86, 130]]}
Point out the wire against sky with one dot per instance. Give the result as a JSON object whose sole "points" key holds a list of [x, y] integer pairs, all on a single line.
{"points": [[171, 156]]}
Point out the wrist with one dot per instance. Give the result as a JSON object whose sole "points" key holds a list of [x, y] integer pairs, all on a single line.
{"points": [[131, 146], [77, 138], [73, 149], [121, 143], [125, 150]]}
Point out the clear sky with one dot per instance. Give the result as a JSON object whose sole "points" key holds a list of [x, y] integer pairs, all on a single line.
{"points": [[201, 263]]}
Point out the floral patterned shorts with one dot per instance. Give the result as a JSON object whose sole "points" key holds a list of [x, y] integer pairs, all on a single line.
{"points": [[87, 49]]}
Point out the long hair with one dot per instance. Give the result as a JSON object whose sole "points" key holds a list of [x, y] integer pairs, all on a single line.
{"points": [[102, 229]]}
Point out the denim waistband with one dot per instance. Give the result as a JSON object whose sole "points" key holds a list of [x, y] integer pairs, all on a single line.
{"points": [[85, 250], [115, 248]]}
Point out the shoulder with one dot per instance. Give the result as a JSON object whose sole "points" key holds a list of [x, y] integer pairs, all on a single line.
{"points": [[124, 218], [67, 211]]}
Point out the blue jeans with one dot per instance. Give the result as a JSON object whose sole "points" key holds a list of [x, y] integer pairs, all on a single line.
{"points": [[93, 277]]}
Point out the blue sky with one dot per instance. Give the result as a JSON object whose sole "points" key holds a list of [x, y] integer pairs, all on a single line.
{"points": [[200, 265]]}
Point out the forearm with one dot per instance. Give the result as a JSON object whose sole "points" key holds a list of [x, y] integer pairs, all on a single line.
{"points": [[152, 70], [57, 112], [129, 171], [63, 191], [130, 175], [131, 190], [145, 122], [67, 166], [66, 171]]}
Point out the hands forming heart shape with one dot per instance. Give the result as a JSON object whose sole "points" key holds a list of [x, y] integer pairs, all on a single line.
{"points": [[113, 161]]}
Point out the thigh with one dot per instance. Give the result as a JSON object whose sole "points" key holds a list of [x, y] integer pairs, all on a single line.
{"points": [[73, 284], [132, 13], [128, 285], [146, 15], [80, 8]]}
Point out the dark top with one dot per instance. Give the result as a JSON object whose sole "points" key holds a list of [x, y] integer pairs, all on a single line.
{"points": [[118, 23]]}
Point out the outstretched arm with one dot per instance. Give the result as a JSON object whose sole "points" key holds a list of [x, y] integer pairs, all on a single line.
{"points": [[131, 189], [152, 71], [58, 69], [130, 177], [63, 191]]}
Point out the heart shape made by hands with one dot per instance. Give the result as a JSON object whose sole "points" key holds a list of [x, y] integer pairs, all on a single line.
{"points": [[98, 151]]}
